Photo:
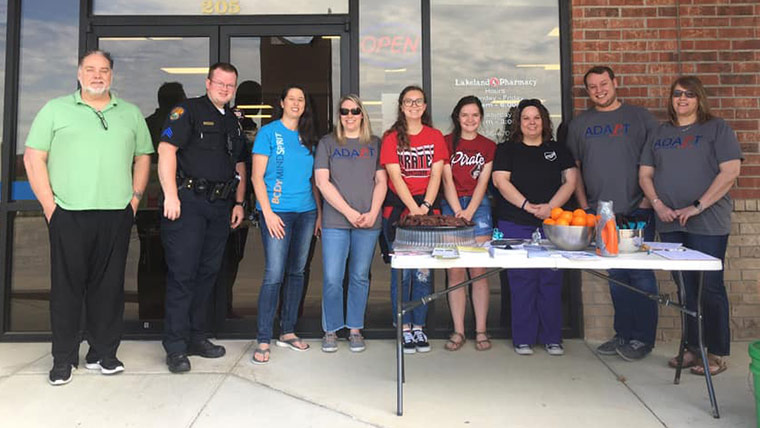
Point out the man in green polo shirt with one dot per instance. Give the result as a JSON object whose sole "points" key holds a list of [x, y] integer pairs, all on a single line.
{"points": [[87, 158]]}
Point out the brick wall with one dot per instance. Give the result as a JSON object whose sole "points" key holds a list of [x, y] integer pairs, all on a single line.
{"points": [[649, 43]]}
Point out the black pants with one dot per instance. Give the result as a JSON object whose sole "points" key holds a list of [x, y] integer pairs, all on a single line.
{"points": [[88, 255], [193, 247]]}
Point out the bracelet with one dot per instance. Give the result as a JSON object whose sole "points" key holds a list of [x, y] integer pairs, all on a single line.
{"points": [[655, 200], [137, 195], [522, 207], [427, 204]]}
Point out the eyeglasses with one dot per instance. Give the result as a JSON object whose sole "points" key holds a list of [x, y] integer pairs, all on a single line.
{"points": [[354, 111], [417, 102], [689, 94], [219, 84], [102, 119]]}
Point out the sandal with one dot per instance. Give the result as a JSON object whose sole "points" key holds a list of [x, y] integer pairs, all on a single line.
{"points": [[482, 345], [294, 343], [264, 356], [717, 365], [690, 359], [455, 345]]}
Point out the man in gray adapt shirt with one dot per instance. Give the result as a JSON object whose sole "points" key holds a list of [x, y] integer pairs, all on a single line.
{"points": [[607, 141]]}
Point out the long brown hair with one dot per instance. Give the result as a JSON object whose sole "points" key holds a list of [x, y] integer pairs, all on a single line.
{"points": [[400, 124], [690, 83]]}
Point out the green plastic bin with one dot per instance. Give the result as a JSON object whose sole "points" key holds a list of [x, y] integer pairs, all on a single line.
{"points": [[754, 367]]}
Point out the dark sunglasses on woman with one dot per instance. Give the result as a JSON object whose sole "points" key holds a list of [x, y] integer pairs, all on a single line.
{"points": [[689, 94], [354, 111]]}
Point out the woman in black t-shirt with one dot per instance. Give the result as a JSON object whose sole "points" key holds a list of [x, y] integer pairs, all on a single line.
{"points": [[533, 175]]}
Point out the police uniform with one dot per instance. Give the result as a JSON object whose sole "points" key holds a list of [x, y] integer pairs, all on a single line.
{"points": [[209, 145]]}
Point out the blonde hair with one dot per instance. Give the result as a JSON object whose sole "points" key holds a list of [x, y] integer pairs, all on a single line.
{"points": [[365, 129]]}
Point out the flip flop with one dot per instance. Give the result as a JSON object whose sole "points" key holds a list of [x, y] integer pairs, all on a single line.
{"points": [[690, 359], [482, 345], [264, 354], [718, 362], [453, 345], [291, 343]]}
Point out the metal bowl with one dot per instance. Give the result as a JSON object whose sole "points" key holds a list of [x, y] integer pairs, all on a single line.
{"points": [[570, 238], [630, 240]]}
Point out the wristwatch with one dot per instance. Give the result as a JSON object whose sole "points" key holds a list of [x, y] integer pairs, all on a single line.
{"points": [[241, 203], [698, 205]]}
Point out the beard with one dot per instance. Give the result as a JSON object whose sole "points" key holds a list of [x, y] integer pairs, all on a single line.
{"points": [[607, 103], [96, 91]]}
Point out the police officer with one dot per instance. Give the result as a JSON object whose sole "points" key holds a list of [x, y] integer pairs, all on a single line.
{"points": [[200, 161]]}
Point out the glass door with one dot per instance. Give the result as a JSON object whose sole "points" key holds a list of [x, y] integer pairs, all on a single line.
{"points": [[154, 68]]}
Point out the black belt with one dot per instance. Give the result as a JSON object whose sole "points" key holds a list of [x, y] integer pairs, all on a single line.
{"points": [[212, 190]]}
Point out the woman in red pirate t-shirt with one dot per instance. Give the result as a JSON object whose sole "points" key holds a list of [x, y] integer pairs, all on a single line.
{"points": [[412, 153], [465, 181]]}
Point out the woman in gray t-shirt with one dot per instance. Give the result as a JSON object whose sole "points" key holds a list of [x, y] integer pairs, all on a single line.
{"points": [[353, 184], [687, 169]]}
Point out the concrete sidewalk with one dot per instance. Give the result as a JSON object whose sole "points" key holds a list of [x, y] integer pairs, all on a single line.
{"points": [[497, 388]]}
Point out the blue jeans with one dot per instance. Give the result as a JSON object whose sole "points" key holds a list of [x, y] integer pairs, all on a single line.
{"points": [[418, 279], [481, 218], [714, 297], [635, 314], [358, 247], [287, 255]]}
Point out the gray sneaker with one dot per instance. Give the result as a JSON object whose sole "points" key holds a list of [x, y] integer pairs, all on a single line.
{"points": [[610, 347], [330, 342], [356, 342], [634, 350]]}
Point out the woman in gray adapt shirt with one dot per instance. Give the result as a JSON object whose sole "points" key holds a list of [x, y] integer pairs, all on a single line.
{"points": [[687, 169], [353, 184]]}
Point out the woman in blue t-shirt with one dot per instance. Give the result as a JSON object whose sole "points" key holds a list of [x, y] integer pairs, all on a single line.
{"points": [[533, 175], [283, 158]]}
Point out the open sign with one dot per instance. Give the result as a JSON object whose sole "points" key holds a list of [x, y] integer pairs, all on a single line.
{"points": [[390, 45]]}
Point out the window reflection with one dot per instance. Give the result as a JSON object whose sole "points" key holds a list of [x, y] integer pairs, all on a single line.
{"points": [[514, 59], [48, 63], [218, 7], [390, 56]]}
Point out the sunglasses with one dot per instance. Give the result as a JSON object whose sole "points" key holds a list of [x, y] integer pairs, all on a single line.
{"points": [[355, 111], [689, 94], [102, 119]]}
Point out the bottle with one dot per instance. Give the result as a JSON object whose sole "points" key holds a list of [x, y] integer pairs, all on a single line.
{"points": [[606, 230]]}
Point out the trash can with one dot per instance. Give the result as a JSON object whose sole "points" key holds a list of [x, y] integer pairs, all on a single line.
{"points": [[754, 367]]}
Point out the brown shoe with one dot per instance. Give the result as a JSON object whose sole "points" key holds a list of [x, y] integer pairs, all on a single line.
{"points": [[455, 342]]}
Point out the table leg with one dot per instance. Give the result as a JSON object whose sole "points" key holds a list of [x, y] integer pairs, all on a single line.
{"points": [[399, 351], [705, 362], [684, 326]]}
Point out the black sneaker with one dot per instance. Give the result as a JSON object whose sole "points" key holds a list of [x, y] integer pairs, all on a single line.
{"points": [[420, 341], [610, 347], [178, 363], [634, 350], [60, 374], [206, 349], [107, 366], [409, 346]]}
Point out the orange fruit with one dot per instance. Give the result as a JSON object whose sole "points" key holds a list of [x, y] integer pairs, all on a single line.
{"points": [[563, 222], [590, 220], [579, 213], [567, 215], [556, 212], [549, 221], [578, 221]]}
